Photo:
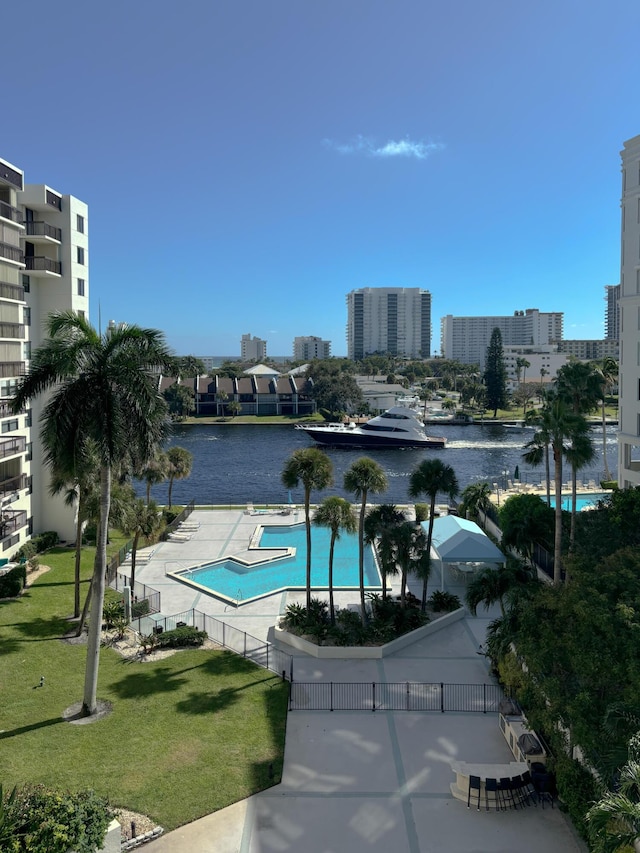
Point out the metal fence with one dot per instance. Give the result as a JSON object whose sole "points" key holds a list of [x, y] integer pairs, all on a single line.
{"points": [[396, 696], [177, 521], [262, 653], [140, 592]]}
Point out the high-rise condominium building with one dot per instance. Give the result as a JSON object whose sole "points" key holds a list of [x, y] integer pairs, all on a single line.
{"points": [[466, 339], [629, 372], [252, 349], [612, 312], [44, 267], [306, 348], [393, 320]]}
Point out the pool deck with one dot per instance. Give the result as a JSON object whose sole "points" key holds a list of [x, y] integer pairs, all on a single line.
{"points": [[362, 782]]}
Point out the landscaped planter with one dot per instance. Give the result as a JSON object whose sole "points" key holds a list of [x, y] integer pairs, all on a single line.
{"points": [[367, 652]]}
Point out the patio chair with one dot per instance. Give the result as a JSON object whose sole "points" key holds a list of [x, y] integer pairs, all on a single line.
{"points": [[504, 788], [474, 786], [491, 787], [249, 510], [179, 537]]}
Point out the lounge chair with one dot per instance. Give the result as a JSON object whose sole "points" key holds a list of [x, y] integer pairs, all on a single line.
{"points": [[179, 537], [249, 510]]}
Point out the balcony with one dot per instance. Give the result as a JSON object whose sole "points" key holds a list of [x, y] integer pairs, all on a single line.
{"points": [[9, 369], [42, 231], [13, 484], [40, 263], [12, 447], [11, 330], [12, 521], [11, 291], [11, 253], [13, 214], [6, 411]]}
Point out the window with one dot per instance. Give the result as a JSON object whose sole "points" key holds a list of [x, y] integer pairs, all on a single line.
{"points": [[26, 283], [29, 454], [81, 315], [27, 350], [10, 426], [26, 316], [8, 387], [80, 287], [28, 419], [80, 254], [80, 223]]}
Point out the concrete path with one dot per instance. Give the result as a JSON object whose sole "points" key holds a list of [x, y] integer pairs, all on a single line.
{"points": [[363, 782]]}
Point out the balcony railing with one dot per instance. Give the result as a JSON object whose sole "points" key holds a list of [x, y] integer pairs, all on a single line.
{"points": [[43, 229], [12, 447], [12, 368], [11, 291], [5, 409], [12, 213], [13, 484], [11, 330], [11, 253], [43, 264], [11, 521]]}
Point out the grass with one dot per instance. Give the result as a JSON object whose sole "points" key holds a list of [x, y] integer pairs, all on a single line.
{"points": [[188, 735]]}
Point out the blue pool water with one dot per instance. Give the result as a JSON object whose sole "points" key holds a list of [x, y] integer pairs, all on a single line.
{"points": [[582, 501], [238, 581]]}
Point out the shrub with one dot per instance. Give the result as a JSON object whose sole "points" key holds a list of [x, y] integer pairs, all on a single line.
{"points": [[27, 551], [149, 642], [348, 630], [37, 544], [443, 602], [12, 583], [112, 611], [609, 484], [422, 512], [169, 515], [180, 638], [139, 608]]}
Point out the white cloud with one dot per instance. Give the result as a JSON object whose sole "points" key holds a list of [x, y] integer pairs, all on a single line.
{"points": [[419, 150]]}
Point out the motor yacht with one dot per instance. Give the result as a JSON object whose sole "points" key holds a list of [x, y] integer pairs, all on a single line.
{"points": [[397, 427]]}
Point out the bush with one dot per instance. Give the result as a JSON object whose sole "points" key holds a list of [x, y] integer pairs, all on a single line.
{"points": [[609, 484], [170, 515], [139, 608], [13, 582], [27, 551], [180, 638], [443, 602], [37, 544], [422, 512]]}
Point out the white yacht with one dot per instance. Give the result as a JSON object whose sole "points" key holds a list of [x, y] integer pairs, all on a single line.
{"points": [[397, 427]]}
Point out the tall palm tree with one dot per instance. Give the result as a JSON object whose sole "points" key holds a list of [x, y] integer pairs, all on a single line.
{"points": [[579, 454], [429, 478], [179, 464], [337, 514], [103, 389], [379, 527], [311, 467], [142, 521], [364, 477], [614, 821], [155, 471], [410, 553], [489, 586], [537, 450], [608, 373], [475, 498]]}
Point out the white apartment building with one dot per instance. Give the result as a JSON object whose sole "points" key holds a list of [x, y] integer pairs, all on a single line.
{"points": [[466, 339], [252, 349], [393, 320], [544, 363], [629, 375], [44, 265], [306, 348], [590, 350], [612, 312]]}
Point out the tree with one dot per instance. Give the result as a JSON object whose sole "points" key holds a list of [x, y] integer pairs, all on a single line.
{"points": [[579, 454], [411, 554], [337, 514], [104, 389], [429, 478], [337, 394], [521, 367], [495, 374], [189, 367], [235, 408], [155, 470], [379, 528], [608, 373], [490, 586], [475, 499], [537, 449], [526, 520], [179, 464], [364, 477], [141, 521], [614, 821], [180, 400], [311, 467]]}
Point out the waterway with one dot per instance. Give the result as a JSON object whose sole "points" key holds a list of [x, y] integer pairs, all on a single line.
{"points": [[234, 464]]}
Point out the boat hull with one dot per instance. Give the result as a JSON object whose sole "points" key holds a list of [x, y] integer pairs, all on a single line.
{"points": [[354, 439]]}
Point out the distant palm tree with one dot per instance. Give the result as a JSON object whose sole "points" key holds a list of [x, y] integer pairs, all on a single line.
{"points": [[311, 467], [411, 555], [104, 389], [579, 454], [608, 372], [475, 498], [379, 527], [490, 586], [337, 514], [155, 471], [179, 464], [141, 521], [364, 477], [537, 450], [429, 478]]}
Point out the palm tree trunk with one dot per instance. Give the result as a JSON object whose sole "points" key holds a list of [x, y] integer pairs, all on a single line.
{"points": [[607, 473], [98, 585], [170, 490], [403, 588], [572, 534], [363, 508], [134, 548], [547, 470], [307, 521], [557, 539], [76, 578], [332, 611], [85, 610]]}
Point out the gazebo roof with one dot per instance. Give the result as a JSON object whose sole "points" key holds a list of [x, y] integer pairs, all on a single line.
{"points": [[458, 540]]}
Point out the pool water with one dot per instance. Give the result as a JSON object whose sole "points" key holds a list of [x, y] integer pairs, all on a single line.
{"points": [[582, 501], [238, 581]]}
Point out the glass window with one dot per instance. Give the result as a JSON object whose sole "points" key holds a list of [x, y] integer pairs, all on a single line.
{"points": [[80, 254], [26, 283], [81, 287], [26, 316], [80, 223]]}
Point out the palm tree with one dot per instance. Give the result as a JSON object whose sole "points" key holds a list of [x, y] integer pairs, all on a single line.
{"points": [[103, 389], [411, 554], [337, 514], [614, 821], [379, 527], [179, 464], [364, 477], [475, 498], [537, 450], [155, 471], [429, 478], [608, 373], [489, 586], [311, 467], [579, 454], [141, 521]]}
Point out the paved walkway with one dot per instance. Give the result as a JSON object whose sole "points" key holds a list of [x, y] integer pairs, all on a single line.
{"points": [[359, 782]]}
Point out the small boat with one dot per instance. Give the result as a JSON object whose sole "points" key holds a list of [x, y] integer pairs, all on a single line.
{"points": [[397, 427]]}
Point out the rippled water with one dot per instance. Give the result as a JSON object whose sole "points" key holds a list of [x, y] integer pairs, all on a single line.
{"points": [[239, 463]]}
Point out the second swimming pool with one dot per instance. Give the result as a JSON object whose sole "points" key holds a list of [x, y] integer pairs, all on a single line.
{"points": [[241, 582]]}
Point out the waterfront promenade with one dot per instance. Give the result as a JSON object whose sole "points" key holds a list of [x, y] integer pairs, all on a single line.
{"points": [[357, 781]]}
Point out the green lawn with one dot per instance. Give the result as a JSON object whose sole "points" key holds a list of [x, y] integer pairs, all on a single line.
{"points": [[188, 734]]}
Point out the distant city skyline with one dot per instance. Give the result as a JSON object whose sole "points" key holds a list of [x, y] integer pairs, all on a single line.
{"points": [[248, 170]]}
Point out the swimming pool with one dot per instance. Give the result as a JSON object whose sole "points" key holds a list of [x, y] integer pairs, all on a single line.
{"points": [[582, 501], [241, 581]]}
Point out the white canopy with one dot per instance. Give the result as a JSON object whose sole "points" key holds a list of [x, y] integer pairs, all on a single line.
{"points": [[456, 540]]}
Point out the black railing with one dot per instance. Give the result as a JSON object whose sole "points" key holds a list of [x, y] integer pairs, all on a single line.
{"points": [[139, 593], [396, 696], [12, 446], [13, 484], [11, 291], [12, 213], [11, 253], [43, 264], [12, 521], [43, 229]]}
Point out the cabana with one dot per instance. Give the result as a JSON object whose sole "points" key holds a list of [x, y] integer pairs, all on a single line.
{"points": [[456, 540]]}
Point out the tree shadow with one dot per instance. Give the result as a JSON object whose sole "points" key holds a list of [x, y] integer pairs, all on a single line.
{"points": [[268, 772], [208, 703], [139, 684], [31, 728], [8, 645], [42, 629]]}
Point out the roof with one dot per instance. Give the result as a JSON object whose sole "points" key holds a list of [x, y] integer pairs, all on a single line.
{"points": [[261, 370], [458, 540]]}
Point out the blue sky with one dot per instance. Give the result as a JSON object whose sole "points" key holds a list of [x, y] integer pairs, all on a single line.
{"points": [[247, 163]]}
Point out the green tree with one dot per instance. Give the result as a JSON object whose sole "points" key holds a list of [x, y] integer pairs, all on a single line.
{"points": [[363, 478], [411, 554], [311, 467], [495, 374], [155, 470], [337, 514], [337, 394], [181, 400], [430, 477], [179, 465], [102, 388], [189, 367], [614, 821], [234, 408], [475, 499], [379, 527], [608, 373], [521, 367], [142, 521], [526, 520], [490, 586]]}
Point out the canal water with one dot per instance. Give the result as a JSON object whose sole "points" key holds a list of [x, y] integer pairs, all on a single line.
{"points": [[234, 464]]}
